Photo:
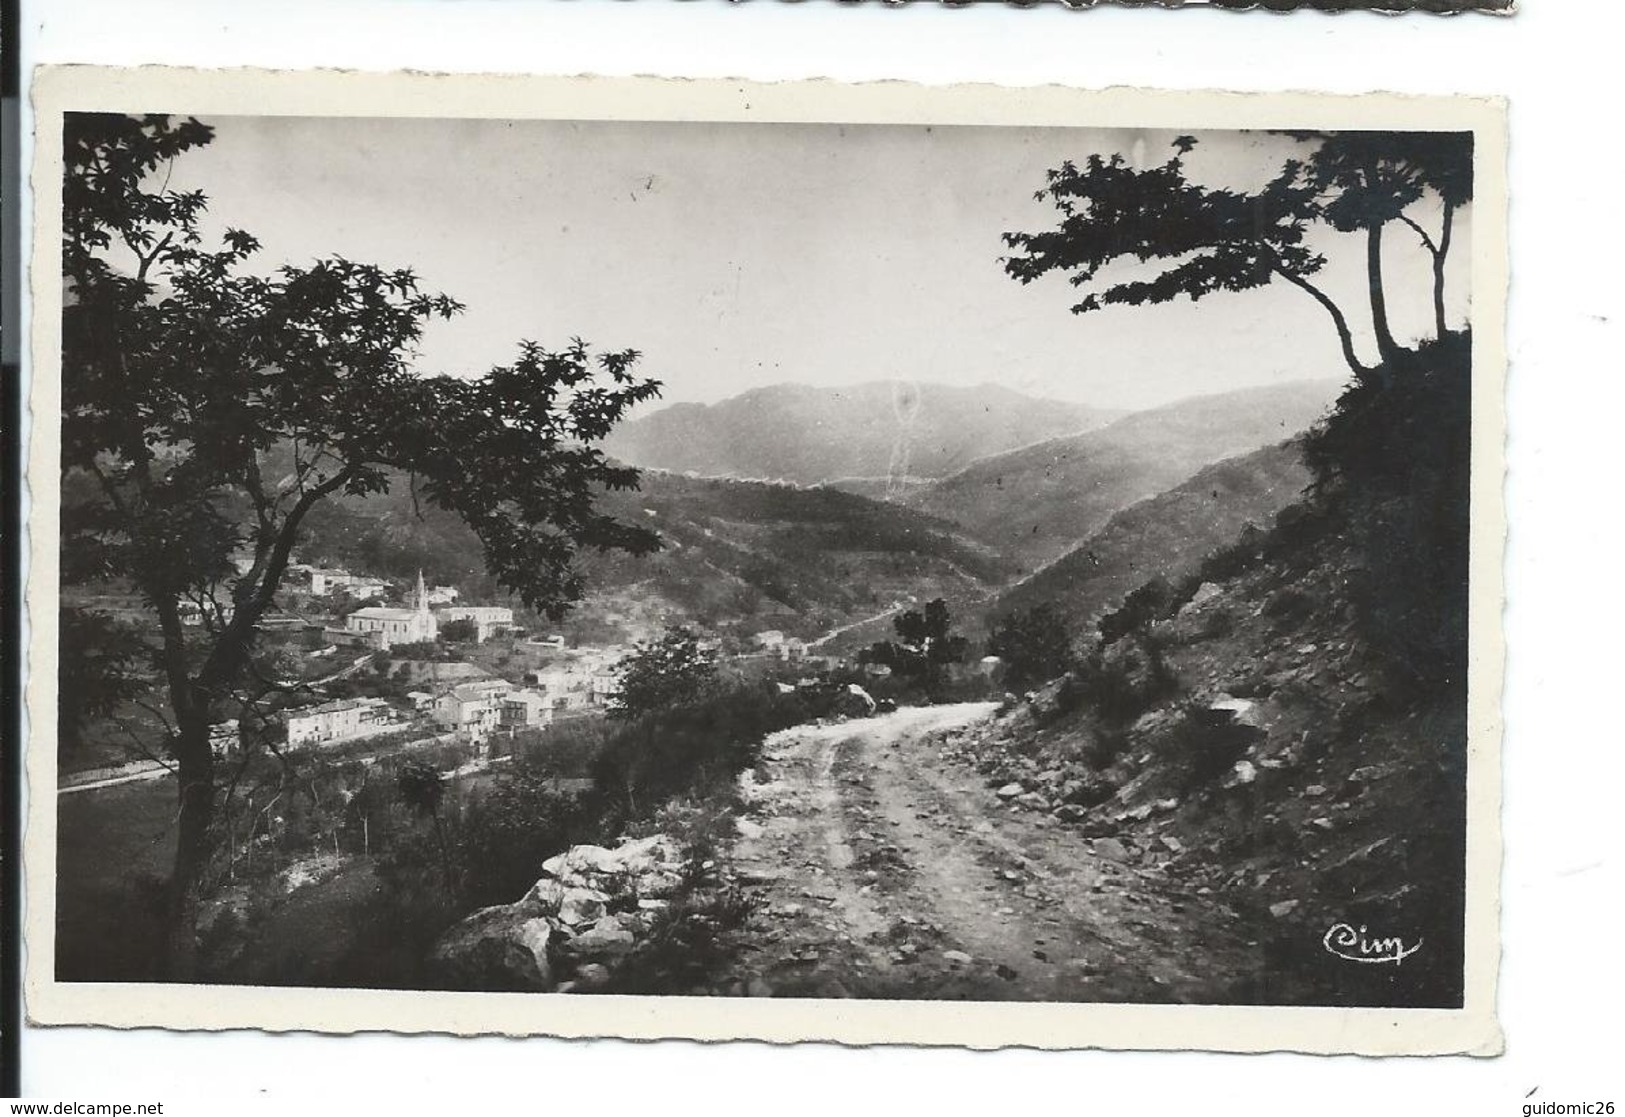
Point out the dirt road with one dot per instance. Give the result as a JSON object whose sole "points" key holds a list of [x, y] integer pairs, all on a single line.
{"points": [[884, 870]]}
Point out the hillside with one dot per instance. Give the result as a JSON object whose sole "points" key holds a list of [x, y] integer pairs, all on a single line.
{"points": [[1166, 536], [747, 553], [885, 429], [1037, 503], [1284, 729], [1281, 764]]}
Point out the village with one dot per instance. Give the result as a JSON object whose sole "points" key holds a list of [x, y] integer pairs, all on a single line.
{"points": [[437, 669]]}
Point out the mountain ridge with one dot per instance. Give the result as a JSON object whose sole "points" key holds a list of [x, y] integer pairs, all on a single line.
{"points": [[1036, 503], [888, 428]]}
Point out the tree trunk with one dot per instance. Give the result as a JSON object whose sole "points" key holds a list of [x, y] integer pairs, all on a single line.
{"points": [[196, 773], [1387, 347], [1438, 268], [1345, 336]]}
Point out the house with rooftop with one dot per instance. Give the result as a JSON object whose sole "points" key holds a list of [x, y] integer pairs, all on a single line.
{"points": [[524, 709], [473, 707], [332, 722]]}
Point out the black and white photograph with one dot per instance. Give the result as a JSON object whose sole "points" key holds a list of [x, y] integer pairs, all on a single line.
{"points": [[611, 567], [1386, 7]]}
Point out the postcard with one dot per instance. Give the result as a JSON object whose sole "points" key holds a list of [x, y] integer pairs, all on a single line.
{"points": [[798, 562]]}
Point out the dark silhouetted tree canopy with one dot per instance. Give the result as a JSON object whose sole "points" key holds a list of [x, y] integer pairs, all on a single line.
{"points": [[212, 407], [924, 648], [1034, 643], [1207, 239]]}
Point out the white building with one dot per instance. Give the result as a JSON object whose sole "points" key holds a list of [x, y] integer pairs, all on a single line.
{"points": [[488, 619], [387, 626], [332, 722], [567, 685], [326, 580], [472, 707], [524, 709], [776, 644], [606, 684]]}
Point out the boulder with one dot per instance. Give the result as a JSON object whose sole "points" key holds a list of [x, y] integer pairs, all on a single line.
{"points": [[1227, 710], [1112, 848], [1010, 791], [660, 885], [609, 937], [581, 906], [549, 893], [1205, 592], [656, 853], [579, 862], [496, 949]]}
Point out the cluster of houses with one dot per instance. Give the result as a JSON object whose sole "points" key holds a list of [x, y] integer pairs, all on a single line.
{"points": [[465, 702], [475, 707], [776, 645], [384, 626], [323, 581]]}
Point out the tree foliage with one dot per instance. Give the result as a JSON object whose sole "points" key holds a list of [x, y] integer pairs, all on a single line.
{"points": [[463, 629], [1034, 643], [662, 674], [1206, 239], [213, 407], [925, 646]]}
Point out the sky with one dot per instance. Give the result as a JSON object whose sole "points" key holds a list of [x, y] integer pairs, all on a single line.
{"points": [[739, 255]]}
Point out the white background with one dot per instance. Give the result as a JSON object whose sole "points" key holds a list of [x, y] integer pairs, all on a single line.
{"points": [[1559, 61]]}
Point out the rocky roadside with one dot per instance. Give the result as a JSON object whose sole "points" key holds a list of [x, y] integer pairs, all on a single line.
{"points": [[590, 910]]}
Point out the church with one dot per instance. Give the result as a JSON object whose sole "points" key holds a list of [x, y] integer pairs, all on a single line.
{"points": [[386, 626]]}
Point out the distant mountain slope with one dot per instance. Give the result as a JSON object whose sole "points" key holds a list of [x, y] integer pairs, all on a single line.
{"points": [[735, 552], [1036, 503], [892, 428], [1166, 535]]}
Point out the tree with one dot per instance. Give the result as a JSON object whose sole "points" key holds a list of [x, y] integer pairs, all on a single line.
{"points": [[663, 673], [1365, 181], [213, 408], [924, 647], [1444, 162], [461, 629], [1208, 239], [1034, 643]]}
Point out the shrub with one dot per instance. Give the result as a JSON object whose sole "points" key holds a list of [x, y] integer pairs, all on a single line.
{"points": [[461, 630], [1200, 746], [1120, 681], [692, 749], [506, 832], [1288, 604], [1236, 559], [1034, 644], [1156, 600], [1105, 747]]}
